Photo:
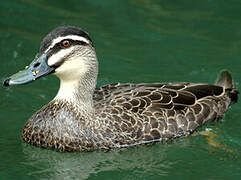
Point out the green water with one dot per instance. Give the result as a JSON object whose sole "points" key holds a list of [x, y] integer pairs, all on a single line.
{"points": [[136, 41]]}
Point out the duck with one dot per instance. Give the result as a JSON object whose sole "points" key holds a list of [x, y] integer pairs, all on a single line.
{"points": [[82, 117]]}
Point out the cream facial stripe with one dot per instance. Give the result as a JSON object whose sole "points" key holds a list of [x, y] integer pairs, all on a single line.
{"points": [[73, 37], [56, 58]]}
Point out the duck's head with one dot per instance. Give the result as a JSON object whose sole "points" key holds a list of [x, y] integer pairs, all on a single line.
{"points": [[67, 52]]}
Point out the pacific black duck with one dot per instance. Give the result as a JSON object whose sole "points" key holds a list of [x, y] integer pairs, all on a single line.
{"points": [[84, 118]]}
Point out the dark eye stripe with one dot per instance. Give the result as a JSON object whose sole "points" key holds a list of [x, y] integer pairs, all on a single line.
{"points": [[58, 46]]}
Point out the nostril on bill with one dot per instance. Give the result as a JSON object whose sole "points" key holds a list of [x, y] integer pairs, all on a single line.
{"points": [[6, 82], [36, 64]]}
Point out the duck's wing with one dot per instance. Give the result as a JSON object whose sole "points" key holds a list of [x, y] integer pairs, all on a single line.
{"points": [[159, 111], [138, 97], [110, 90]]}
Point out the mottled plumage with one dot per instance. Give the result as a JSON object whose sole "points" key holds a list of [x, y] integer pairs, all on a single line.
{"points": [[84, 118], [129, 114]]}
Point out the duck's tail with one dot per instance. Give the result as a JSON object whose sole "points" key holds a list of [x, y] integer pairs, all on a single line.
{"points": [[225, 80]]}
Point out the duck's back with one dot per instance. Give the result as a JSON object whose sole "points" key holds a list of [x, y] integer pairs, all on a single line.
{"points": [[141, 113]]}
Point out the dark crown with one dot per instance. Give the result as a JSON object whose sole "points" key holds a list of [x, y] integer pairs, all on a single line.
{"points": [[60, 32]]}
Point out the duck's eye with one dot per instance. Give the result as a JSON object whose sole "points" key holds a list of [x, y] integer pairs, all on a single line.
{"points": [[65, 43]]}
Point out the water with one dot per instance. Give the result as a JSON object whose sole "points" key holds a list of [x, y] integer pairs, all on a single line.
{"points": [[136, 41]]}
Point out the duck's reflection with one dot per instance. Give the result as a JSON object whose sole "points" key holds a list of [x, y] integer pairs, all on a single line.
{"points": [[140, 160]]}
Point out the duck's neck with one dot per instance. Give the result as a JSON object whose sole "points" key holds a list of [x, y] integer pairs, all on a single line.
{"points": [[78, 78], [78, 92]]}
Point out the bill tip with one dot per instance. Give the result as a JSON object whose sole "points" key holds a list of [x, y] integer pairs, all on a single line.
{"points": [[6, 82]]}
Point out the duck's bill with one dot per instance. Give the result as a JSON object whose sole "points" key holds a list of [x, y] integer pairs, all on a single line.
{"points": [[37, 69]]}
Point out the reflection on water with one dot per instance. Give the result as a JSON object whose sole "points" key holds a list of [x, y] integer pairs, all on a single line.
{"points": [[56, 165]]}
